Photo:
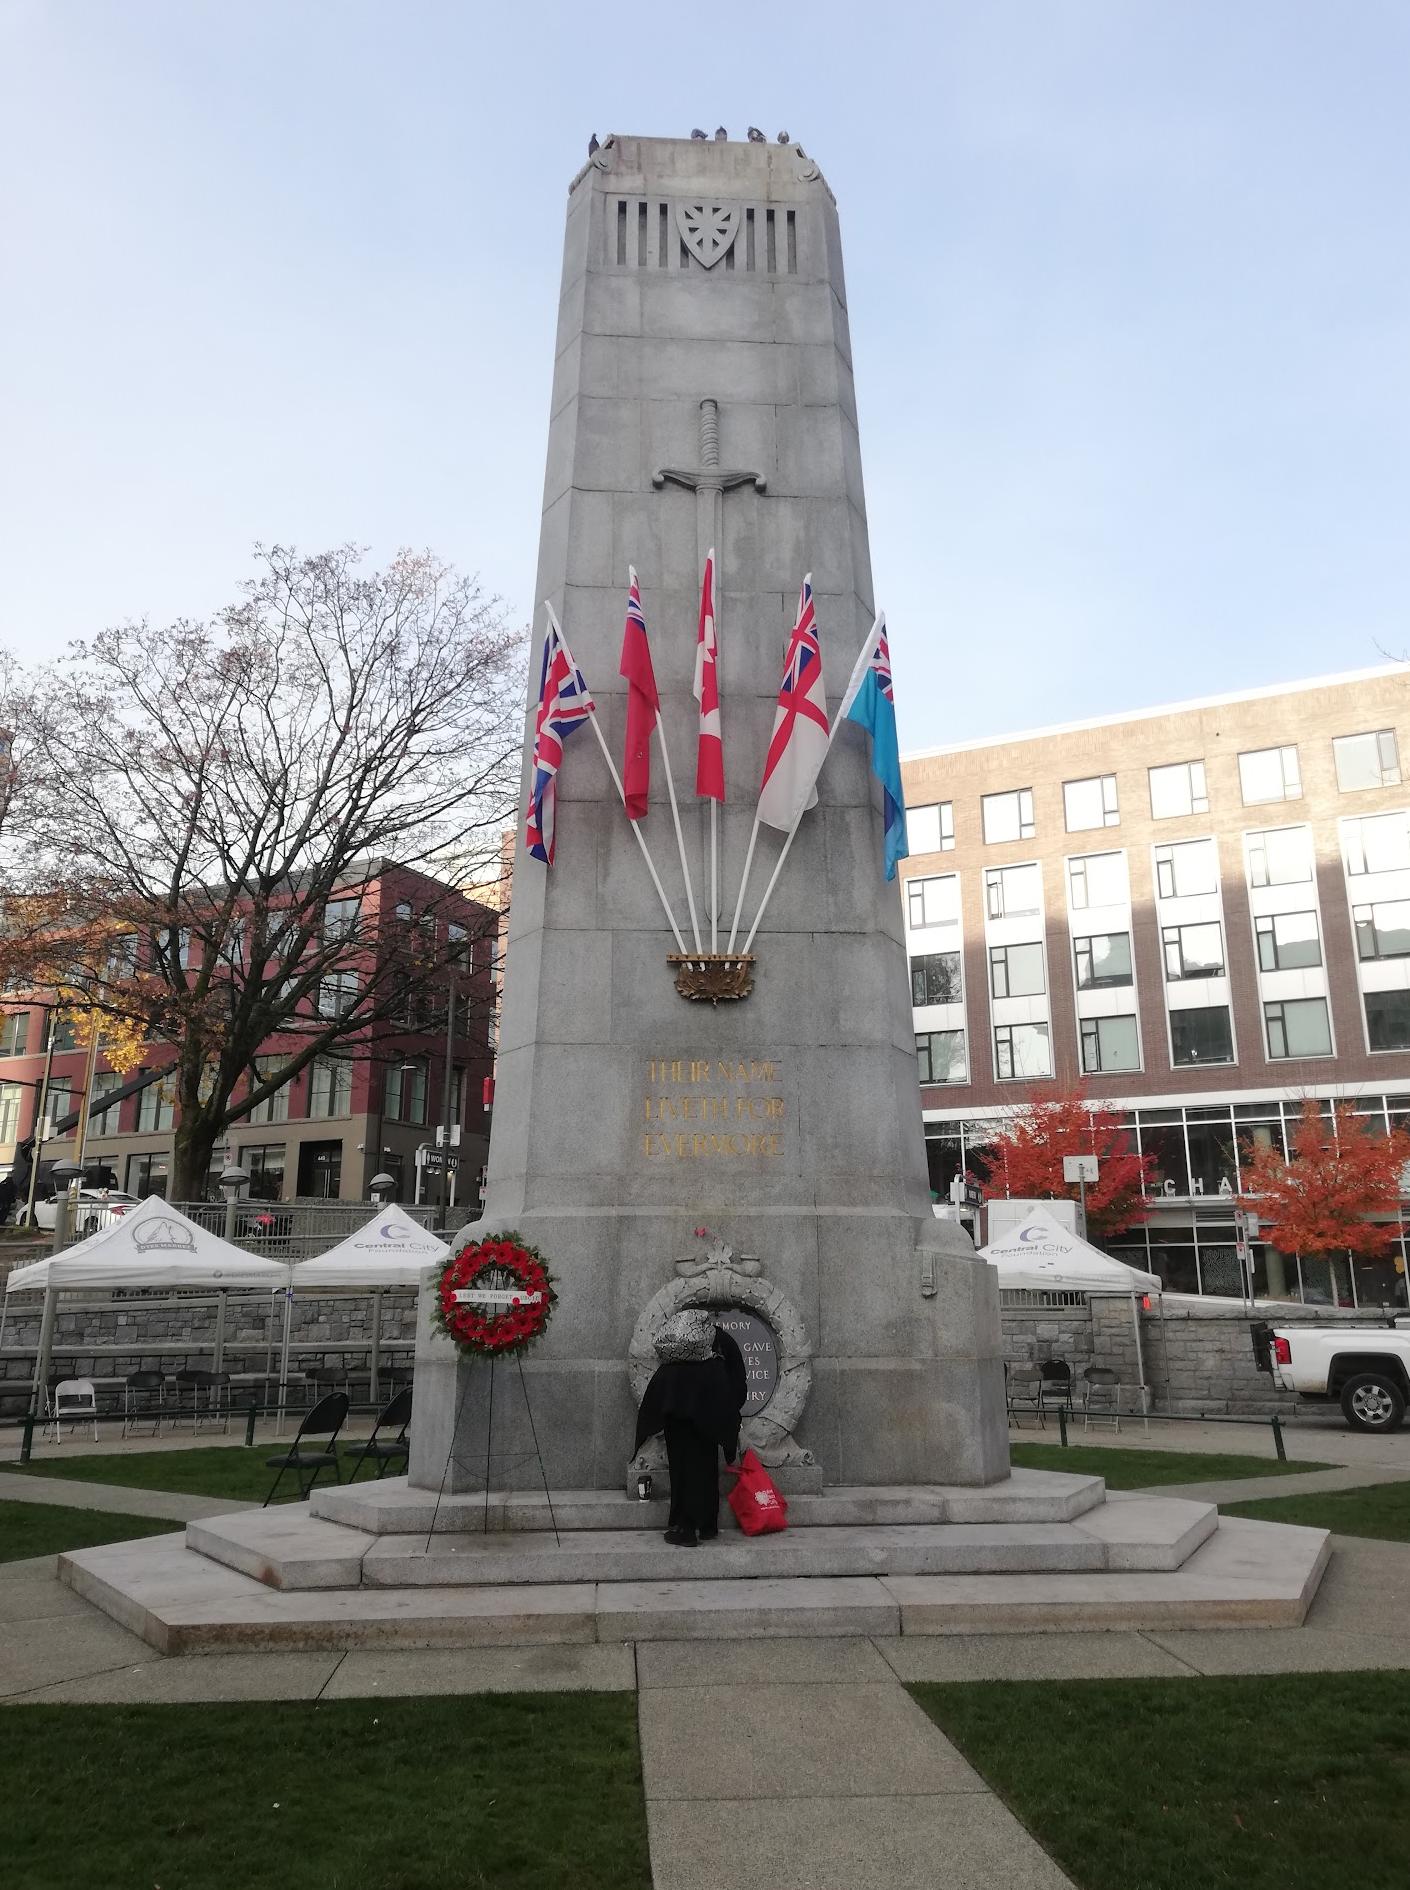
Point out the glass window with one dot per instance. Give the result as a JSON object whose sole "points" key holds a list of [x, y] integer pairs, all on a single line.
{"points": [[458, 944], [10, 1094], [1090, 803], [935, 978], [1016, 970], [1022, 1050], [1210, 1136], [330, 1087], [337, 994], [58, 1033], [1008, 816], [1185, 868], [1097, 879], [146, 1174], [1202, 1035], [1366, 761], [1378, 844], [931, 829], [1383, 929], [940, 1054], [1388, 1020], [1178, 789], [1288, 941], [1013, 892], [1281, 856], [274, 1108], [1109, 1043], [265, 1164], [14, 1033], [320, 1170], [1163, 1139], [155, 1108], [58, 1102], [933, 901], [104, 1121], [1193, 951], [1103, 959], [1269, 774], [406, 1092], [1298, 1027], [403, 911], [340, 918]]}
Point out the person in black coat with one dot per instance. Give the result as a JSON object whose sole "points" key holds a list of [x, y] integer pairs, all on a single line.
{"points": [[695, 1398]]}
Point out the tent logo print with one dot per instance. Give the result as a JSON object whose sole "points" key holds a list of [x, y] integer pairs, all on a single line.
{"points": [[164, 1235]]}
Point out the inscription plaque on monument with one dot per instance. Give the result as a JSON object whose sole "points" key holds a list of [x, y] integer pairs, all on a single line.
{"points": [[759, 1347]]}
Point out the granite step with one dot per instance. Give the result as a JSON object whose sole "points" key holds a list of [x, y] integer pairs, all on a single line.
{"points": [[1244, 1574], [392, 1507], [292, 1550]]}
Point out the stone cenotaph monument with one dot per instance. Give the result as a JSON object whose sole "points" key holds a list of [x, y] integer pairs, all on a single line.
{"points": [[762, 1154]]}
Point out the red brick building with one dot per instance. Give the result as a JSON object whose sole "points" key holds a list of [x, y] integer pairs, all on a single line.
{"points": [[1202, 911], [366, 1107]]}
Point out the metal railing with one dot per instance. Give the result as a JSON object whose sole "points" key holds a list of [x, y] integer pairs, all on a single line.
{"points": [[289, 1230]]}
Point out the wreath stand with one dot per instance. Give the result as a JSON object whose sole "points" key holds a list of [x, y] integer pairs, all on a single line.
{"points": [[494, 1297]]}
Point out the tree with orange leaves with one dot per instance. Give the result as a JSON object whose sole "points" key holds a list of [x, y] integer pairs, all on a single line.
{"points": [[1320, 1198], [1026, 1160]]}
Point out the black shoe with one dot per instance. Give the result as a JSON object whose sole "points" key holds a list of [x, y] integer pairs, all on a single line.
{"points": [[708, 1535], [682, 1539]]}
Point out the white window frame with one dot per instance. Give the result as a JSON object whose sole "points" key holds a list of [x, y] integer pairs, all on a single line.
{"points": [[1024, 827], [1196, 789], [1105, 785], [1289, 773], [1387, 751]]}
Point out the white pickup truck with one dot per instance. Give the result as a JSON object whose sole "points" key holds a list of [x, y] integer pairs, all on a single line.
{"points": [[1366, 1369]]}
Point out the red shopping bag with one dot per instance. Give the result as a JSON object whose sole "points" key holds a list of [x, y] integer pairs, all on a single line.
{"points": [[757, 1505]]}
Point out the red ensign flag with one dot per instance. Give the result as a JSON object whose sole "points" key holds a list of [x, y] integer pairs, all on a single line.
{"points": [[710, 753], [643, 705]]}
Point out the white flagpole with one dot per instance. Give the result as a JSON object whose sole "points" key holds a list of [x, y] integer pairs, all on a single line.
{"points": [[744, 881], [680, 837], [858, 668], [714, 876], [612, 770]]}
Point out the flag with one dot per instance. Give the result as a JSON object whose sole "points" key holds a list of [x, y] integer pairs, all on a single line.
{"points": [[710, 751], [564, 704], [871, 704], [800, 738], [643, 705]]}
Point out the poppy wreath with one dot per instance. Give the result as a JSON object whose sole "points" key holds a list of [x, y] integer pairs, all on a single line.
{"points": [[500, 1265]]}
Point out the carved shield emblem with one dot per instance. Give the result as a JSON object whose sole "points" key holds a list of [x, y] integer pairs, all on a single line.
{"points": [[708, 230]]}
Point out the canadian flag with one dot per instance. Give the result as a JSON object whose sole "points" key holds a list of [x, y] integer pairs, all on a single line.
{"points": [[710, 751]]}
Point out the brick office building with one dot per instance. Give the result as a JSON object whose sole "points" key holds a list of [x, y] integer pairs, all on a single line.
{"points": [[1202, 912], [365, 1107]]}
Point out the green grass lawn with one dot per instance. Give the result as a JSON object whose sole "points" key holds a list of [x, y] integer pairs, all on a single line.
{"points": [[514, 1791], [1381, 1510], [1142, 1469], [1282, 1782], [207, 1470], [45, 1528]]}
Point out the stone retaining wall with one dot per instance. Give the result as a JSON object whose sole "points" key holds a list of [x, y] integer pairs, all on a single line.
{"points": [[1198, 1358]]}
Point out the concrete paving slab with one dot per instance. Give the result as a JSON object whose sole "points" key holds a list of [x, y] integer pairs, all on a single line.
{"points": [[965, 1841], [1052, 1656], [42, 1652], [785, 1741], [1140, 1532], [195, 1677], [70, 1493], [38, 1599], [564, 1669], [1367, 1582], [1286, 1650], [284, 1548], [761, 1663], [702, 1611]]}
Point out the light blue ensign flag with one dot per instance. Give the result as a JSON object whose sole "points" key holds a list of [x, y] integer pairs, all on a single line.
{"points": [[871, 703]]}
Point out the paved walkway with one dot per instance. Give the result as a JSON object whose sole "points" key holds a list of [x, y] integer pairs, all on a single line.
{"points": [[70, 1493]]}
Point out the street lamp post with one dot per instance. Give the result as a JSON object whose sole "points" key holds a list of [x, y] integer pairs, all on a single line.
{"points": [[40, 1110], [69, 1174]]}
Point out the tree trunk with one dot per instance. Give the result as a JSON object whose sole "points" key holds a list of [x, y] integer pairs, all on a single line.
{"points": [[195, 1140]]}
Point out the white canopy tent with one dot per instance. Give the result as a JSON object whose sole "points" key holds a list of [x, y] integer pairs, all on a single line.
{"points": [[390, 1250], [156, 1245], [1041, 1256]]}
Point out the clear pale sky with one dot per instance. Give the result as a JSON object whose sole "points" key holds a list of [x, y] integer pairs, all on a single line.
{"points": [[1129, 287]]}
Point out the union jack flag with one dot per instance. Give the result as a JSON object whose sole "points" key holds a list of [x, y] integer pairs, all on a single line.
{"points": [[564, 704], [800, 734]]}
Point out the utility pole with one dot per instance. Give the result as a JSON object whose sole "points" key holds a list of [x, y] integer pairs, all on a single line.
{"points": [[452, 987], [41, 1106]]}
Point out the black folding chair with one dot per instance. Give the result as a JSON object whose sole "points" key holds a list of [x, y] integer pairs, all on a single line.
{"points": [[386, 1450], [142, 1398], [324, 1420]]}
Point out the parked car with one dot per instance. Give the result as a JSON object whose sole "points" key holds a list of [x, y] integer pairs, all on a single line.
{"points": [[97, 1207], [1365, 1369]]}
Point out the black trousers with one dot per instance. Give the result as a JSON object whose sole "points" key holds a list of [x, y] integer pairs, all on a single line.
{"points": [[695, 1478]]}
